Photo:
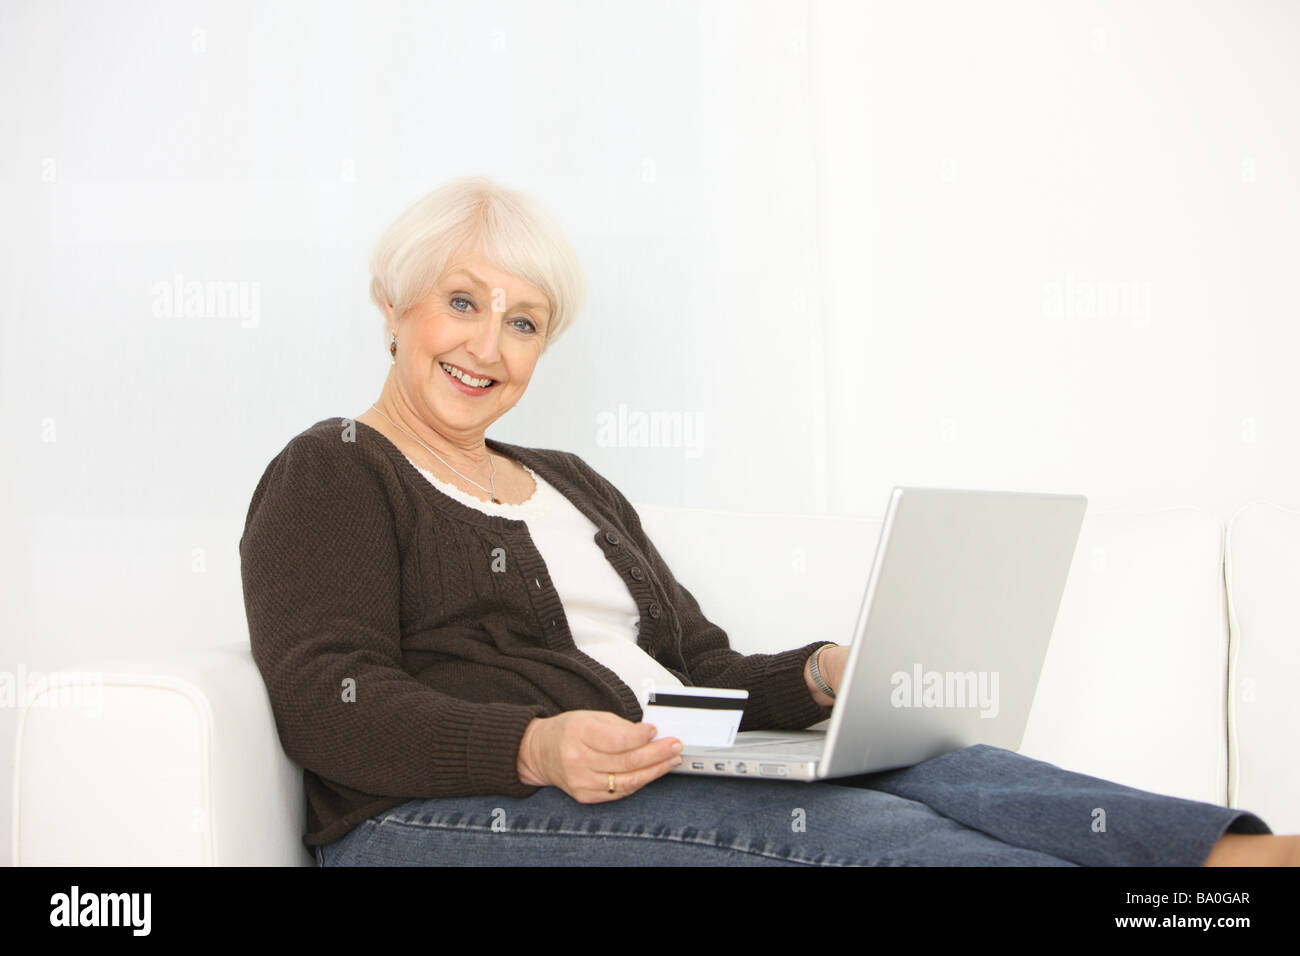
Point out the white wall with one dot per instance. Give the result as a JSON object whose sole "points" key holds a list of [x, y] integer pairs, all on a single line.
{"points": [[1007, 245]]}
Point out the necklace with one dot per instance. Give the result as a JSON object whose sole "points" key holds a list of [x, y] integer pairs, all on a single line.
{"points": [[492, 478]]}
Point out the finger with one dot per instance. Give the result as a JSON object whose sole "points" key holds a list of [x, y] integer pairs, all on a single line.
{"points": [[610, 733], [653, 753], [626, 784], [581, 761], [638, 758], [629, 780]]}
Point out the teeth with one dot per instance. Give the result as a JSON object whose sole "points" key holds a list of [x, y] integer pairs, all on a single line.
{"points": [[468, 380]]}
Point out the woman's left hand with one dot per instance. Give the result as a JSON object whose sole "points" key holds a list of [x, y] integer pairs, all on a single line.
{"points": [[831, 667]]}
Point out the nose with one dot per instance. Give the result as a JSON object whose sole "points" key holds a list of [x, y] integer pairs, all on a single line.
{"points": [[485, 342]]}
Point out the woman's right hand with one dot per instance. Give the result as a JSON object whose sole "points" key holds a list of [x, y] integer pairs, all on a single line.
{"points": [[578, 750]]}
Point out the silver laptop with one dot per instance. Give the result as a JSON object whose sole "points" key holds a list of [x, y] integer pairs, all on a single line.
{"points": [[956, 617]]}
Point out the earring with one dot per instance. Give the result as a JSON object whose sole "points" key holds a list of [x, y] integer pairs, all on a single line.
{"points": [[392, 348]]}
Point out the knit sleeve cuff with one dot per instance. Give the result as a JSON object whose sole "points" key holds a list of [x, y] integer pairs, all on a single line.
{"points": [[781, 699], [492, 749]]}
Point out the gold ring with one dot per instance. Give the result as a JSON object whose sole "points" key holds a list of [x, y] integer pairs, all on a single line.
{"points": [[611, 783]]}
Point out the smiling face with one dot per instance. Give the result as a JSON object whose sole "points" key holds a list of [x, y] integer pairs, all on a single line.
{"points": [[482, 324]]}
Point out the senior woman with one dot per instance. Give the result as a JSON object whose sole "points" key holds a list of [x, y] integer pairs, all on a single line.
{"points": [[450, 629]]}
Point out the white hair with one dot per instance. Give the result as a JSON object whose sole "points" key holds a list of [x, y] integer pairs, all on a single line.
{"points": [[510, 229]]}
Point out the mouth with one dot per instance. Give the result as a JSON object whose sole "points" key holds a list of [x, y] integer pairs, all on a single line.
{"points": [[465, 381]]}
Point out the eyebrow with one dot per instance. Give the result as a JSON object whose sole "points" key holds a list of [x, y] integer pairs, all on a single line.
{"points": [[483, 285]]}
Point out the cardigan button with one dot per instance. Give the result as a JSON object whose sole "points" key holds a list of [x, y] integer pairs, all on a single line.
{"points": [[654, 609], [611, 537], [636, 574]]}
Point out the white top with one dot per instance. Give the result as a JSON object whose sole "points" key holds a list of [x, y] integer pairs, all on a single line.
{"points": [[600, 610]]}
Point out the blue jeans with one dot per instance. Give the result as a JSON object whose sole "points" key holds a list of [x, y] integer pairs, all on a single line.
{"points": [[978, 806]]}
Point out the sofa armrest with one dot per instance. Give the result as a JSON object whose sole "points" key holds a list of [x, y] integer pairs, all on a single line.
{"points": [[169, 760], [1262, 566]]}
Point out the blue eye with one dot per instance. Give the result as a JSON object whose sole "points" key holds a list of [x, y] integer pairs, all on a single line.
{"points": [[531, 330]]}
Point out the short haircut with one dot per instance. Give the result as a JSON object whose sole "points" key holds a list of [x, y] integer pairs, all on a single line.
{"points": [[509, 228]]}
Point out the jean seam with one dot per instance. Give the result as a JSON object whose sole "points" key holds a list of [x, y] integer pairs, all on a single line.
{"points": [[566, 832]]}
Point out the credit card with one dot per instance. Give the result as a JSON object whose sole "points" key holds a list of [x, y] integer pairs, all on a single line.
{"points": [[697, 716]]}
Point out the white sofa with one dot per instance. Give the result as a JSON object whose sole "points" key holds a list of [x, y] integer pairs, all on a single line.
{"points": [[1170, 669]]}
